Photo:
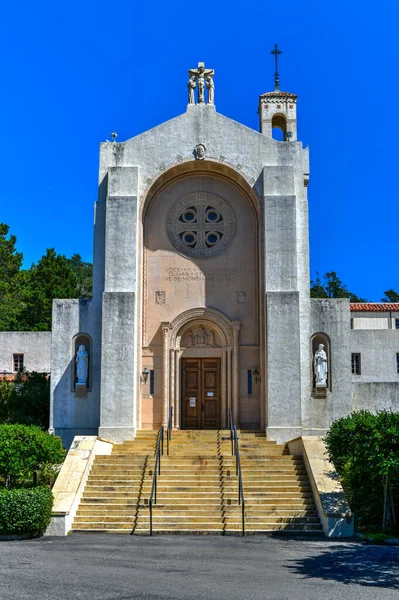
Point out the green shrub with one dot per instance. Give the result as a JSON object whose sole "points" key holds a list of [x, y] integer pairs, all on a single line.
{"points": [[27, 449], [25, 511], [364, 448]]}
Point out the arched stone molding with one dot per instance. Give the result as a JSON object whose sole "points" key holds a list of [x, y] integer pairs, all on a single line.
{"points": [[226, 333], [222, 169], [316, 339]]}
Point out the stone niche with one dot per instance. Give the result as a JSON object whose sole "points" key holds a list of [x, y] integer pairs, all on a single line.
{"points": [[79, 339]]}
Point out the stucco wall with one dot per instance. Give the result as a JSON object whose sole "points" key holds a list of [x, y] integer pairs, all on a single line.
{"points": [[34, 345], [378, 350], [375, 396]]}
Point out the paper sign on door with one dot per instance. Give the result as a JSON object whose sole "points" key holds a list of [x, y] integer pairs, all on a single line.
{"points": [[192, 402], [209, 394]]}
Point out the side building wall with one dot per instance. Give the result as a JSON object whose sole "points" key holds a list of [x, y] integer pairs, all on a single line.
{"points": [[34, 345], [377, 386]]}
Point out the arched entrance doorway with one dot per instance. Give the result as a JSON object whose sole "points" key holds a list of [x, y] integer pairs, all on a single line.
{"points": [[200, 369]]}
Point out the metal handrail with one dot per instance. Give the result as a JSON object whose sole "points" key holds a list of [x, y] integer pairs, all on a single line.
{"points": [[157, 471], [241, 499], [231, 425], [235, 451], [169, 430]]}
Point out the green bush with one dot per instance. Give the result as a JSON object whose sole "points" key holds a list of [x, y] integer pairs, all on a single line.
{"points": [[27, 449], [25, 511], [364, 448]]}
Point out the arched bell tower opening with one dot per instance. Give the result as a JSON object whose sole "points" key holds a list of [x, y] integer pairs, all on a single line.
{"points": [[201, 316], [279, 127]]}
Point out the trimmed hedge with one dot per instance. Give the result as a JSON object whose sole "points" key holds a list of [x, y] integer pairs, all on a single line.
{"points": [[25, 511], [25, 449], [364, 448]]}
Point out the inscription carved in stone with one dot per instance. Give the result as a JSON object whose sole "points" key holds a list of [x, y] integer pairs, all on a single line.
{"points": [[194, 274], [201, 225]]}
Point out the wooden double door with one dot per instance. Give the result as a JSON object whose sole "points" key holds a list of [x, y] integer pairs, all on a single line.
{"points": [[201, 393]]}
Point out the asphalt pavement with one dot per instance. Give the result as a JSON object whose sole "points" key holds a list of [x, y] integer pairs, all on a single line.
{"points": [[124, 567]]}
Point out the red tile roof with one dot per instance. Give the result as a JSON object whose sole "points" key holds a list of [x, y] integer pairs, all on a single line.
{"points": [[374, 306], [278, 94]]}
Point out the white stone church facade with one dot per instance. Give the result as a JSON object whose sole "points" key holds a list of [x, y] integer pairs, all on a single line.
{"points": [[201, 295]]}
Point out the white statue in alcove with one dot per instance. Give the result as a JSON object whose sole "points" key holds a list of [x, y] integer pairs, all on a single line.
{"points": [[321, 366], [82, 365]]}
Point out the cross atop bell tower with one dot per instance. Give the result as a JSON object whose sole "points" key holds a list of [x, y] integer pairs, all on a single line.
{"points": [[277, 109], [276, 53]]}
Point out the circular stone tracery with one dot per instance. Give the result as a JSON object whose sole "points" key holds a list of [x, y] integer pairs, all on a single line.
{"points": [[201, 225]]}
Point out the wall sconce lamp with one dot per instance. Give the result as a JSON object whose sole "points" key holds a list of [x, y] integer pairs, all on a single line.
{"points": [[256, 375], [144, 375]]}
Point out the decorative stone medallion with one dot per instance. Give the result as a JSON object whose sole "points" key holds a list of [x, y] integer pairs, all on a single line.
{"points": [[160, 297], [200, 151], [201, 225], [241, 297]]}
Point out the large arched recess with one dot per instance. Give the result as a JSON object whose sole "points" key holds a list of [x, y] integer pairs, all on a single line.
{"points": [[146, 302]]}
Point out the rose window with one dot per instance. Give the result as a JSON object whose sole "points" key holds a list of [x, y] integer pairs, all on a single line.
{"points": [[201, 225]]}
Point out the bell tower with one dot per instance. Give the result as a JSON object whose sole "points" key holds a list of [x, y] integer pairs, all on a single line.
{"points": [[277, 109]]}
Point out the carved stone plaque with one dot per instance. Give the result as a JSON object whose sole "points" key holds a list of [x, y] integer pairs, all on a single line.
{"points": [[200, 336], [201, 225]]}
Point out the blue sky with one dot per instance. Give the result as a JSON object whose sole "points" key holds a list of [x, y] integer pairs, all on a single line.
{"points": [[73, 72]]}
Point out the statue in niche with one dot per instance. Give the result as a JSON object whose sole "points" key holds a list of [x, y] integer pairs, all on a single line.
{"points": [[321, 366], [192, 84], [210, 86], [82, 365]]}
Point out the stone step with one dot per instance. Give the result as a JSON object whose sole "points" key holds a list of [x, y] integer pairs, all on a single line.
{"points": [[127, 527]]}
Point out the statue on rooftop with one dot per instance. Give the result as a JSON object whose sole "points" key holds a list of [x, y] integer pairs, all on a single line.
{"points": [[197, 78], [210, 86], [192, 84]]}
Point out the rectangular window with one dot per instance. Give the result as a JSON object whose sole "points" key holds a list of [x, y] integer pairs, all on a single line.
{"points": [[18, 362], [249, 382], [396, 323], [352, 323], [152, 382], [356, 366], [397, 362]]}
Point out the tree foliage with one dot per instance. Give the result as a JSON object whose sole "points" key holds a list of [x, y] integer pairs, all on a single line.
{"points": [[10, 264], [50, 278], [331, 286], [364, 448], [26, 295], [84, 275], [390, 296], [26, 400]]}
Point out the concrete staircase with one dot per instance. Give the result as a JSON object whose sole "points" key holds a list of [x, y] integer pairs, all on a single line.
{"points": [[198, 487]]}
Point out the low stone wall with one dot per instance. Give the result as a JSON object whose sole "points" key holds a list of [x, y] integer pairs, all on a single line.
{"points": [[332, 506], [71, 481]]}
